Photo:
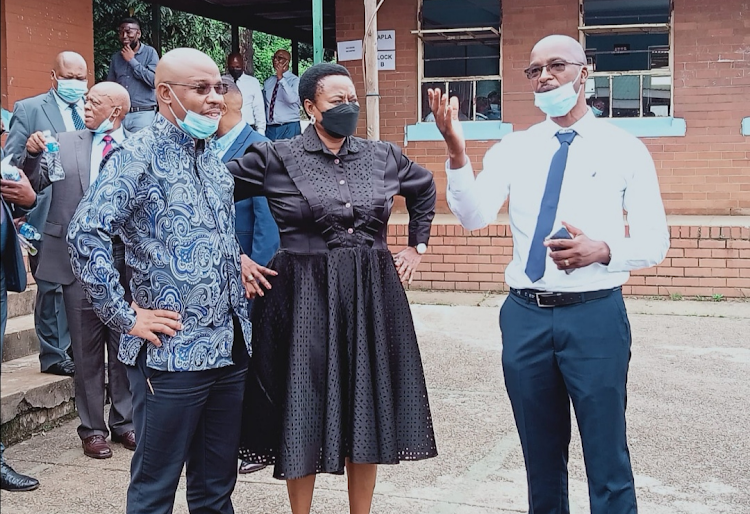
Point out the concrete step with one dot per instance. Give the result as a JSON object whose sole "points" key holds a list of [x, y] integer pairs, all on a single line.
{"points": [[20, 338], [21, 304], [31, 401]]}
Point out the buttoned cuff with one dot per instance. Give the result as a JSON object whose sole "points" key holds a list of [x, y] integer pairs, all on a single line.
{"points": [[618, 261]]}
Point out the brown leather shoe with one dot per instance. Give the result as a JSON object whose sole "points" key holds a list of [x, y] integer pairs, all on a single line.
{"points": [[127, 439], [96, 447]]}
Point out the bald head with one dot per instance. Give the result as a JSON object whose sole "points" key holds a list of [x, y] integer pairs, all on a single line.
{"points": [[69, 65], [181, 79], [559, 46], [106, 100]]}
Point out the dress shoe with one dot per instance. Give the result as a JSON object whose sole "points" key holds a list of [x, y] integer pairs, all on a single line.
{"points": [[13, 481], [64, 368], [127, 439], [248, 467], [96, 447]]}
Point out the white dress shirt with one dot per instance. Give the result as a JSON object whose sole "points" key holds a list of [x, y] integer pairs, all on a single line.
{"points": [[286, 108], [66, 113], [608, 171], [97, 147], [253, 106]]}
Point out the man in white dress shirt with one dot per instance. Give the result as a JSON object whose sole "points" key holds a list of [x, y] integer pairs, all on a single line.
{"points": [[281, 92], [253, 105], [81, 156], [566, 335]]}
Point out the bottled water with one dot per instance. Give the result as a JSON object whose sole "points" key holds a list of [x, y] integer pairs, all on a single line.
{"points": [[8, 171], [29, 232], [55, 170]]}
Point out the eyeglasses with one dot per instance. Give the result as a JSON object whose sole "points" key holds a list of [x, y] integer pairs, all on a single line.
{"points": [[203, 89], [131, 30], [280, 59], [555, 68]]}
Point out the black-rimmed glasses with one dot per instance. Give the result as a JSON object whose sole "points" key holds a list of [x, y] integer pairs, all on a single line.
{"points": [[555, 68], [203, 89]]}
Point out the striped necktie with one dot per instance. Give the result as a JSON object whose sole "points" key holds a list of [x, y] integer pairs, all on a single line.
{"points": [[77, 121]]}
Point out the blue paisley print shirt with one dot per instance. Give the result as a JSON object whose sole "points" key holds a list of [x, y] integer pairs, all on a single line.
{"points": [[172, 203]]}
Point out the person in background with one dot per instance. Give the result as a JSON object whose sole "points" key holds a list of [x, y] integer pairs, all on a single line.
{"points": [[565, 330], [133, 67], [81, 154], [598, 107], [256, 230], [59, 110], [12, 278], [253, 105], [170, 199], [282, 99]]}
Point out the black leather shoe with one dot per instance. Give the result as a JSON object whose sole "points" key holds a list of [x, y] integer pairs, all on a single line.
{"points": [[64, 368], [12, 481], [248, 467]]}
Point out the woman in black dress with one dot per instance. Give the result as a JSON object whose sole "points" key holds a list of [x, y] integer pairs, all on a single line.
{"points": [[336, 377]]}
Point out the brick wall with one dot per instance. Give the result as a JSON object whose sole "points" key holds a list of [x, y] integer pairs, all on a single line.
{"points": [[705, 172], [702, 261], [33, 33]]}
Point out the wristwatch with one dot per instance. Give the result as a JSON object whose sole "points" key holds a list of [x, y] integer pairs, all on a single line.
{"points": [[421, 248]]}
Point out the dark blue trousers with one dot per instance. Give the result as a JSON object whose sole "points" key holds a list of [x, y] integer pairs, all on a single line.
{"points": [[552, 357], [283, 131], [192, 418]]}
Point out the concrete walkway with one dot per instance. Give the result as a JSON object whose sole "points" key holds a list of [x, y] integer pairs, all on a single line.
{"points": [[687, 412]]}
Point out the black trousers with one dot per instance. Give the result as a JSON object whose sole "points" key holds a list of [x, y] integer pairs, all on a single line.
{"points": [[552, 357], [192, 418]]}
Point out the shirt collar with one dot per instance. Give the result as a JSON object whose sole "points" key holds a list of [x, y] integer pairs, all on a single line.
{"points": [[312, 143], [583, 127], [223, 143], [117, 135], [165, 129]]}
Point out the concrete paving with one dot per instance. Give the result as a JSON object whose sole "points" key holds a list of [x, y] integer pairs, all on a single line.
{"points": [[687, 414]]}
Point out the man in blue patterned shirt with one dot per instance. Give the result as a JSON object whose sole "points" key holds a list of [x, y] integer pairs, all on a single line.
{"points": [[171, 202]]}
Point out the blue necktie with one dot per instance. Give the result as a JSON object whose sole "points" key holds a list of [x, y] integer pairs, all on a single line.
{"points": [[77, 121], [548, 210]]}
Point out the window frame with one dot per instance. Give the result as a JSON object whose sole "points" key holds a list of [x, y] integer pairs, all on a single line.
{"points": [[629, 29], [473, 79]]}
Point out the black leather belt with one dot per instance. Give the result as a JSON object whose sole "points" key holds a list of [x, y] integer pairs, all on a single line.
{"points": [[549, 299], [143, 109]]}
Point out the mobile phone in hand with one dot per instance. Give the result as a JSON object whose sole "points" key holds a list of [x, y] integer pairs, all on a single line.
{"points": [[560, 234]]}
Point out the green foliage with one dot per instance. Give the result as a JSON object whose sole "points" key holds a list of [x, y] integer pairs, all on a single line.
{"points": [[676, 296], [179, 29], [717, 297]]}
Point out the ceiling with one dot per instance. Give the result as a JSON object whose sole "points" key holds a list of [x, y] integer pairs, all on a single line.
{"points": [[291, 19]]}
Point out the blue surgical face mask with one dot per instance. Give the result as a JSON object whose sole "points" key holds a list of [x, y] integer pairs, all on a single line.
{"points": [[597, 112], [106, 125], [194, 125], [71, 90], [558, 102]]}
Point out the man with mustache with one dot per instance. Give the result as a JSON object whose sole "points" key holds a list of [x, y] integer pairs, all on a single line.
{"points": [[566, 335], [133, 67], [169, 197]]}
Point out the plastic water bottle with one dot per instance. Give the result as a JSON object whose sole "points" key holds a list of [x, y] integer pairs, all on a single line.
{"points": [[55, 170], [29, 232], [8, 171]]}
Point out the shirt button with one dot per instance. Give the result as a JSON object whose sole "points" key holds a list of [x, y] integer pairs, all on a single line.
{"points": [[347, 205], [350, 230], [336, 161], [342, 182]]}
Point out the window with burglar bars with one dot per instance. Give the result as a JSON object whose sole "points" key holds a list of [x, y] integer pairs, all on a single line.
{"points": [[629, 53], [461, 55]]}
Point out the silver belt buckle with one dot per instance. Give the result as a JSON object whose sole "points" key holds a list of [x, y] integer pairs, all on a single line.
{"points": [[539, 297]]}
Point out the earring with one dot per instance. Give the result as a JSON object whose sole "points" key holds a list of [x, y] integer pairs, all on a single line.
{"points": [[312, 119]]}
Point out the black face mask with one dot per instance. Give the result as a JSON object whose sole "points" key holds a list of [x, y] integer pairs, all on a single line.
{"points": [[235, 73], [341, 121]]}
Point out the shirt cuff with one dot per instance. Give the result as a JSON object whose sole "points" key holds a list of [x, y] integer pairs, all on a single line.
{"points": [[617, 255], [461, 178]]}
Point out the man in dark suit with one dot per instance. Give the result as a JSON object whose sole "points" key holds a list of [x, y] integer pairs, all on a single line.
{"points": [[12, 278], [256, 230], [81, 155], [58, 110]]}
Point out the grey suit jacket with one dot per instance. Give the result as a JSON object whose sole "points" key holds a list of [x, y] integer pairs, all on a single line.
{"points": [[30, 115], [75, 156]]}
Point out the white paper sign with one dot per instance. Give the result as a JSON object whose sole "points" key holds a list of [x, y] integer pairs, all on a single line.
{"points": [[386, 40], [387, 60], [349, 50]]}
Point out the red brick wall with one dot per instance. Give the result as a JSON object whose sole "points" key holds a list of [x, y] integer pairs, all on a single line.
{"points": [[33, 33], [702, 261], [705, 172]]}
